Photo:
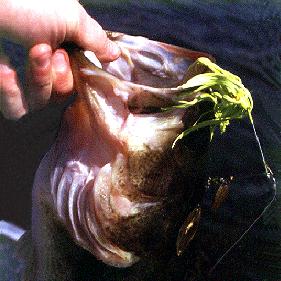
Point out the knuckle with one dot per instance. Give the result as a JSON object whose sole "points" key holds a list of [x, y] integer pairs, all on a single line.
{"points": [[9, 87], [43, 85], [11, 92], [39, 82], [101, 39]]}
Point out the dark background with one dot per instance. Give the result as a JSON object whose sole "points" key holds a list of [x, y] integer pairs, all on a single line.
{"points": [[245, 38]]}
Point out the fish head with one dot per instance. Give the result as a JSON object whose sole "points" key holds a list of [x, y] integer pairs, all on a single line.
{"points": [[116, 182]]}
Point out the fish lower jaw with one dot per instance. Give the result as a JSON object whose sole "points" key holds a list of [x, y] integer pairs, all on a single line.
{"points": [[75, 207], [111, 255]]}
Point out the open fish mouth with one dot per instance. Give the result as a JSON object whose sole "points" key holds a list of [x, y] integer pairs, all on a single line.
{"points": [[114, 180]]}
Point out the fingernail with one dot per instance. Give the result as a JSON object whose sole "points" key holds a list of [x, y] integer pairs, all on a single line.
{"points": [[59, 61]]}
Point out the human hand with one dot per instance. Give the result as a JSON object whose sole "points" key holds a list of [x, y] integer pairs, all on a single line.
{"points": [[46, 72], [43, 27]]}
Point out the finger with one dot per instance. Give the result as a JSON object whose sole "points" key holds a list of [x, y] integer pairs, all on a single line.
{"points": [[12, 102], [61, 72], [92, 37], [39, 74]]}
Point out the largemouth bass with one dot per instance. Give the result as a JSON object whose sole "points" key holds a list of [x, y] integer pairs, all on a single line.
{"points": [[112, 180]]}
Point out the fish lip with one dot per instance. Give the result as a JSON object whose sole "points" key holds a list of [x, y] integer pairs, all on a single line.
{"points": [[144, 96], [140, 93], [115, 35]]}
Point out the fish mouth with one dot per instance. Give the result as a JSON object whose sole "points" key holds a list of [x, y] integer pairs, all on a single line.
{"points": [[120, 173], [144, 80]]}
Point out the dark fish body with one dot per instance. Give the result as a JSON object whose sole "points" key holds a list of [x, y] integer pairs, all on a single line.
{"points": [[112, 182]]}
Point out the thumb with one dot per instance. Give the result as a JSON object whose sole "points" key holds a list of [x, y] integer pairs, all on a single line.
{"points": [[90, 36]]}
